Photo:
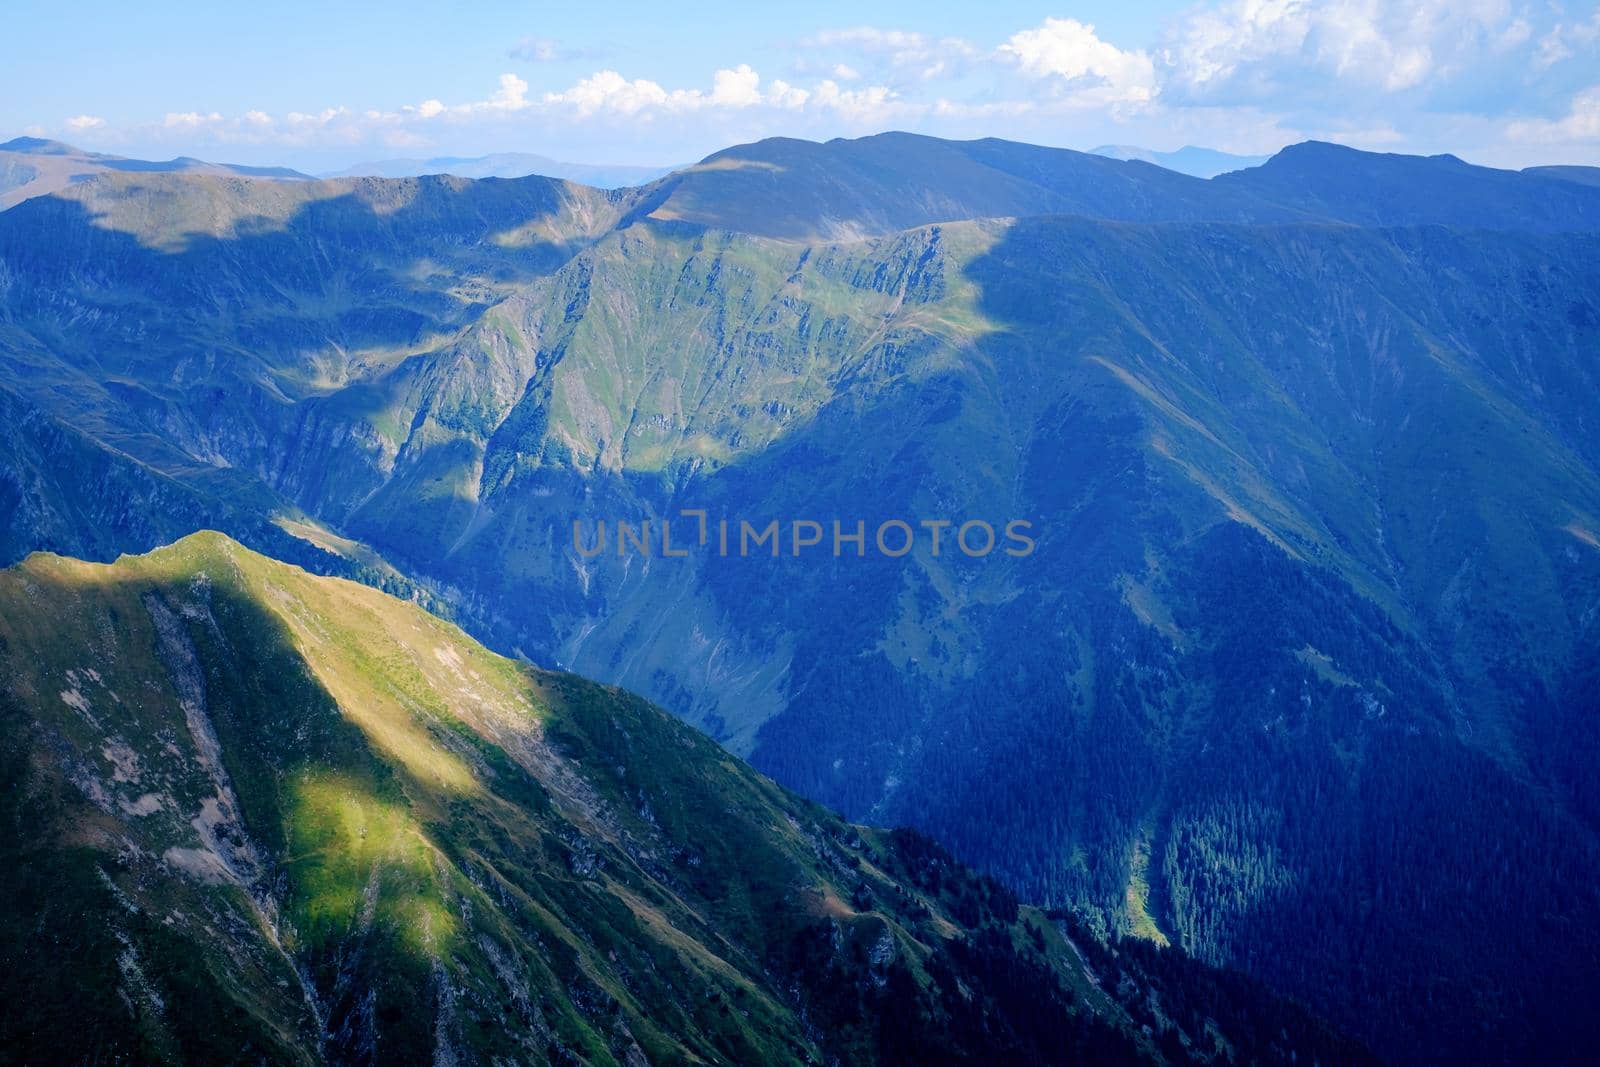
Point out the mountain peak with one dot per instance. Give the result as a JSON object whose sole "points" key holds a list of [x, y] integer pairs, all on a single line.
{"points": [[1192, 160], [1393, 189], [1314, 150], [40, 146], [202, 546]]}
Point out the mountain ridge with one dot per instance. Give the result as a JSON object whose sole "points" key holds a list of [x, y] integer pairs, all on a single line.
{"points": [[297, 820], [1315, 592], [508, 165], [34, 166]]}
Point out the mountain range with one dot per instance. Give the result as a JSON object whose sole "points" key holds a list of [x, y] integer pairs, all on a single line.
{"points": [[33, 166], [507, 165], [1299, 680]]}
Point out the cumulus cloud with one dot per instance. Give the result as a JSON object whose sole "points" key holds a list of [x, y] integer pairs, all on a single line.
{"points": [[732, 89], [1069, 52], [869, 104], [1580, 124], [511, 96], [326, 117], [740, 87], [786, 96], [1260, 50], [608, 90], [190, 119], [1245, 75]]}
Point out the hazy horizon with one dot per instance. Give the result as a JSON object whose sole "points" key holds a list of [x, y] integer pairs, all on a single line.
{"points": [[336, 166], [1494, 83]]}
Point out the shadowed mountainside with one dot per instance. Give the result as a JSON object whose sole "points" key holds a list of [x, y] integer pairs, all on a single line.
{"points": [[1308, 449]]}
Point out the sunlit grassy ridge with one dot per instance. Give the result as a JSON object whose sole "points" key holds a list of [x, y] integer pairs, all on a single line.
{"points": [[290, 817]]}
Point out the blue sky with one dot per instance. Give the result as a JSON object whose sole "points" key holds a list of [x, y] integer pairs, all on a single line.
{"points": [[324, 85]]}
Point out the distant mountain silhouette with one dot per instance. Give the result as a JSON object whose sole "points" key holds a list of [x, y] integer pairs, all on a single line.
{"points": [[34, 166], [507, 165], [1199, 162]]}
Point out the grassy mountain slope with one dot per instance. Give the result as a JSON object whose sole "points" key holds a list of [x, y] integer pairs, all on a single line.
{"points": [[1172, 406], [254, 814], [1313, 614], [848, 189], [179, 320], [32, 166]]}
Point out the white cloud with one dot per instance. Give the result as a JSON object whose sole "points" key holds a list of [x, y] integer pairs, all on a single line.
{"points": [[871, 104], [740, 87], [1516, 33], [190, 119], [1088, 67], [609, 91], [1581, 123], [1410, 66], [327, 116], [1263, 50], [895, 52], [732, 89], [511, 96], [1245, 75], [1566, 40], [784, 95]]}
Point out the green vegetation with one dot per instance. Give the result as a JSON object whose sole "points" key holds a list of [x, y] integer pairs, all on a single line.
{"points": [[251, 813], [1301, 676]]}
